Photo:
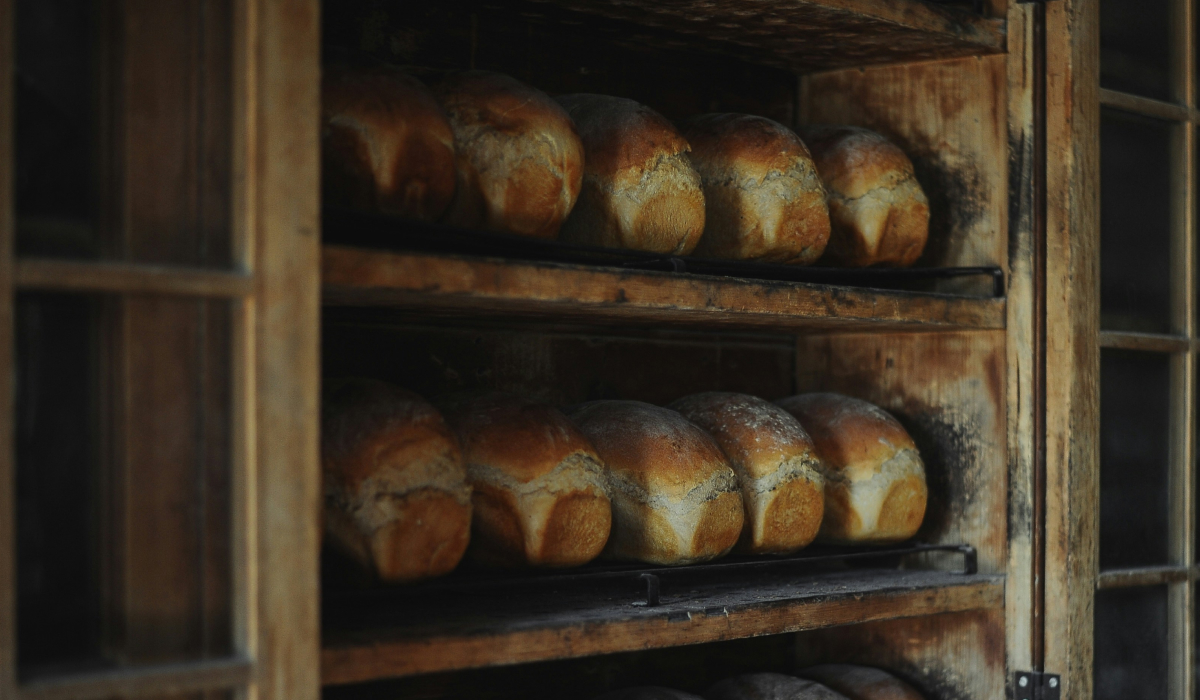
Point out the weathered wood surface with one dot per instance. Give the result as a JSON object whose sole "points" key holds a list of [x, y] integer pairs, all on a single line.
{"points": [[382, 638], [8, 475], [67, 275], [444, 285], [167, 679]]}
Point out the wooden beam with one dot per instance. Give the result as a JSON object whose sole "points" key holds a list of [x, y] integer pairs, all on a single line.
{"points": [[1149, 342], [1148, 576], [169, 679], [1147, 107], [127, 278]]}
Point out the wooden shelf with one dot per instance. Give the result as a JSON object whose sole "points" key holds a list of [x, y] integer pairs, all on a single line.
{"points": [[401, 634], [803, 35], [438, 285]]}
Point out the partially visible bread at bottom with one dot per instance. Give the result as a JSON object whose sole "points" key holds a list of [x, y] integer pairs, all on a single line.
{"points": [[769, 686], [675, 498], [875, 490], [783, 490], [396, 497], [539, 487], [647, 692], [862, 682]]}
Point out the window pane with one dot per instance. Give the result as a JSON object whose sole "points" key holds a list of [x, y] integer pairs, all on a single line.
{"points": [[1134, 440], [122, 446], [1131, 644], [1135, 223], [1135, 50]]}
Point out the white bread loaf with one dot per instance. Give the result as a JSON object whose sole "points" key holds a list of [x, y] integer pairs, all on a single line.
{"points": [[519, 159], [783, 491], [862, 682], [675, 498], [386, 145], [879, 213], [875, 489], [647, 692], [396, 496], [538, 486], [763, 198], [769, 686], [639, 190]]}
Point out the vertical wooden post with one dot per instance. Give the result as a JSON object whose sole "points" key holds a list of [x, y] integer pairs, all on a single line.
{"points": [[8, 517]]}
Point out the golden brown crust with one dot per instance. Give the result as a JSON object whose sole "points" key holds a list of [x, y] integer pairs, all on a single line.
{"points": [[878, 211], [395, 489], [862, 682], [386, 145], [849, 433], [519, 158], [763, 197], [639, 190]]}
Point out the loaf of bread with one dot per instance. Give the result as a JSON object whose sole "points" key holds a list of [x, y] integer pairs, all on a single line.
{"points": [[783, 491], [875, 489], [769, 686], [539, 489], [878, 211], [647, 692], [520, 162], [639, 190], [763, 198], [675, 498], [396, 495], [862, 682], [386, 145]]}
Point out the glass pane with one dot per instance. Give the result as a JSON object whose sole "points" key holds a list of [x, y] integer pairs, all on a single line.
{"points": [[122, 446], [158, 190], [1135, 49], [1131, 644], [1135, 223], [1134, 441]]}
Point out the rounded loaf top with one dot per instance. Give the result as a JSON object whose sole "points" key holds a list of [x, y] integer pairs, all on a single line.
{"points": [[751, 145], [862, 682], [853, 436], [621, 135], [770, 686], [853, 161]]}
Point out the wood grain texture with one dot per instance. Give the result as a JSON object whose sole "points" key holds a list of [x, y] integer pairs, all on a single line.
{"points": [[8, 476], [565, 626], [1072, 347], [443, 285]]}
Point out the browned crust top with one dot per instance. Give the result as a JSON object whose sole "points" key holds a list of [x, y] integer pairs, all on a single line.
{"points": [[619, 134], [852, 160], [848, 432], [862, 682], [753, 432], [523, 438], [502, 103], [751, 145]]}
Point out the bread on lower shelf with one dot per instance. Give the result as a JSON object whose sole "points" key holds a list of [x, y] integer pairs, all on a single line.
{"points": [[783, 490], [539, 489], [862, 682], [396, 496], [675, 498], [875, 490], [770, 686]]}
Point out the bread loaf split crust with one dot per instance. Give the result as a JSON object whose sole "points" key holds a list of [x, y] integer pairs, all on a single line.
{"points": [[783, 489], [386, 145], [639, 189], [769, 686], [540, 496], [675, 498], [396, 496], [763, 197], [878, 211], [875, 489], [862, 682], [519, 159]]}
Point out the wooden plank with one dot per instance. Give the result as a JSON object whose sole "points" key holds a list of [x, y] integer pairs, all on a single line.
{"points": [[109, 277], [167, 679], [1072, 349], [1147, 106], [1151, 342], [8, 476], [450, 285], [1149, 576], [804, 35], [588, 627]]}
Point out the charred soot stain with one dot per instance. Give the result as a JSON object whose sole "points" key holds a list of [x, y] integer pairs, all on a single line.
{"points": [[948, 448], [956, 201]]}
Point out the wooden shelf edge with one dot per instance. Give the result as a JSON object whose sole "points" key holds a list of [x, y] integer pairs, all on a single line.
{"points": [[452, 285], [396, 658]]}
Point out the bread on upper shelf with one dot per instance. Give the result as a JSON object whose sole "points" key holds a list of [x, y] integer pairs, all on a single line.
{"points": [[783, 490], [639, 189], [769, 686], [862, 682], [675, 498], [763, 198], [878, 211], [396, 496], [539, 489], [875, 489], [386, 145], [519, 158]]}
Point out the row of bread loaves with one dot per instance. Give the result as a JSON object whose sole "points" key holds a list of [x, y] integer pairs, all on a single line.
{"points": [[828, 682], [483, 150], [408, 486]]}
